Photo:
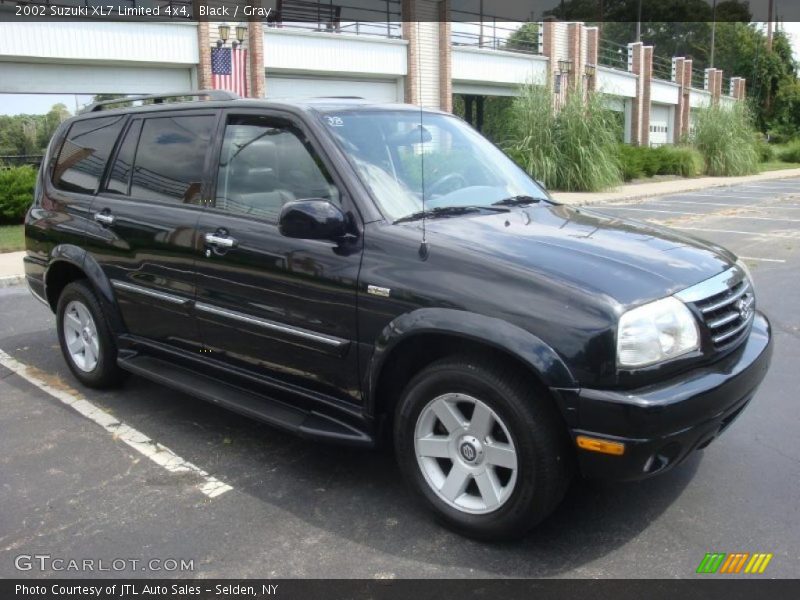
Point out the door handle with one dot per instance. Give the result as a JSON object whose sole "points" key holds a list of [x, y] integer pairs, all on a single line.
{"points": [[104, 217], [212, 239]]}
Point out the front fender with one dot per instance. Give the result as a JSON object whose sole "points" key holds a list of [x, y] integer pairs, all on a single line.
{"points": [[479, 328]]}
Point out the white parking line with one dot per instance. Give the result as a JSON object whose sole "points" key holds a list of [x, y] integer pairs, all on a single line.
{"points": [[758, 233], [775, 260], [694, 214], [161, 455], [704, 203]]}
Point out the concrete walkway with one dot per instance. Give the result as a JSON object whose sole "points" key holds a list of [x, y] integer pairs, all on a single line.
{"points": [[11, 269], [637, 191]]}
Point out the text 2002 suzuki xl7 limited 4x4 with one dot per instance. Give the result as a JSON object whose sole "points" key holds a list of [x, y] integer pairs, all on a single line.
{"points": [[356, 272]]}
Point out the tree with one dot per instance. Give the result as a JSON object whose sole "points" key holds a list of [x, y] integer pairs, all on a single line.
{"points": [[524, 39]]}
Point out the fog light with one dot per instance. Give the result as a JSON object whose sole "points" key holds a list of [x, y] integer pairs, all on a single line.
{"points": [[598, 445]]}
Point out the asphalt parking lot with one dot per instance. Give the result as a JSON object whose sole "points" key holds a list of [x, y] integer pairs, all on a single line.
{"points": [[71, 488]]}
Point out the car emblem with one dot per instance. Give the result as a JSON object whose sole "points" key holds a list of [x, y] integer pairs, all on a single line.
{"points": [[745, 306], [468, 451]]}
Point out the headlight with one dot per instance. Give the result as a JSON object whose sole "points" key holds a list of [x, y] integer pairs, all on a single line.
{"points": [[656, 332], [743, 266]]}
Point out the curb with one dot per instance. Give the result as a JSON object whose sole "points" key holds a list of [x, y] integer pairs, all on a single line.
{"points": [[645, 195], [11, 280]]}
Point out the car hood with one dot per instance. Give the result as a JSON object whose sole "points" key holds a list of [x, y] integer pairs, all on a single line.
{"points": [[630, 261]]}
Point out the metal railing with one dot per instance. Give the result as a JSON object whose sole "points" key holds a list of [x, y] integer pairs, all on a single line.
{"points": [[380, 18], [493, 33], [662, 68], [611, 54], [698, 79]]}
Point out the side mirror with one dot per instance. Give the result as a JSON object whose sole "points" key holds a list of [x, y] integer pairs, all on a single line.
{"points": [[313, 219]]}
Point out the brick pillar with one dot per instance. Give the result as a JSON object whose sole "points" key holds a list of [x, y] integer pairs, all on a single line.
{"points": [[687, 109], [204, 56], [409, 13], [592, 49], [742, 88], [679, 78], [255, 42], [574, 54], [647, 80], [641, 65], [549, 49], [714, 84], [445, 58]]}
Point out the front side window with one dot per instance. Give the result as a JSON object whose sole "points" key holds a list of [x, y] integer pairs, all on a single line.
{"points": [[170, 159], [405, 156], [264, 164], [84, 154]]}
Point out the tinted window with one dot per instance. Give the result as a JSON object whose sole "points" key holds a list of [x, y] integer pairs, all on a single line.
{"points": [[120, 177], [85, 152], [264, 164], [169, 160]]}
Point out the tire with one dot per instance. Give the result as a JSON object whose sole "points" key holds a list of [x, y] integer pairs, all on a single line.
{"points": [[501, 497], [85, 338]]}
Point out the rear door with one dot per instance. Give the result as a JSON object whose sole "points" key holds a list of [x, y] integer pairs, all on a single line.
{"points": [[146, 222], [282, 308]]}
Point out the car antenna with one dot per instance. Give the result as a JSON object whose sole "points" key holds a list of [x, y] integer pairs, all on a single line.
{"points": [[423, 248]]}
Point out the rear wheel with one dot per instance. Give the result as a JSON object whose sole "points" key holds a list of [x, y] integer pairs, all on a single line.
{"points": [[85, 338], [484, 447]]}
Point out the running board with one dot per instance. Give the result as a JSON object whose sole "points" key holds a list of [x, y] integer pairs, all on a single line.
{"points": [[308, 424]]}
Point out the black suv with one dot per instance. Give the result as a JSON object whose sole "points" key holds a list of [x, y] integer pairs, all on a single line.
{"points": [[356, 273]]}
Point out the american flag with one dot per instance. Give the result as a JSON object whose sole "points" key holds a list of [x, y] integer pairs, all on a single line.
{"points": [[229, 70]]}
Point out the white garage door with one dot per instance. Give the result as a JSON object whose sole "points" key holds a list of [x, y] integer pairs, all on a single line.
{"points": [[659, 125], [308, 87], [41, 78]]}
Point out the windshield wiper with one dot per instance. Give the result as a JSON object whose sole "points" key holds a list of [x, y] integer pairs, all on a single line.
{"points": [[444, 211], [517, 201]]}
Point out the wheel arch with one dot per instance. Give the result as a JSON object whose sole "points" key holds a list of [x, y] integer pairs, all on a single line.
{"points": [[69, 263], [414, 339]]}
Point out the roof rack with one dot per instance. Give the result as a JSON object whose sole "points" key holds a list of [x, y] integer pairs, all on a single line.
{"points": [[159, 98]]}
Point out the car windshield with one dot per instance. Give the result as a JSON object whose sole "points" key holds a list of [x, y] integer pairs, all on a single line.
{"points": [[404, 156]]}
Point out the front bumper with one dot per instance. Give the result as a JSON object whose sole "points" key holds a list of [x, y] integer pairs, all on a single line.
{"points": [[662, 424]]}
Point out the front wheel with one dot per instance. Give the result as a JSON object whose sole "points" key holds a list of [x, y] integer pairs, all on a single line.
{"points": [[483, 445]]}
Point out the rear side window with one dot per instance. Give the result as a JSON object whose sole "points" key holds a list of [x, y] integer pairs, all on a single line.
{"points": [[170, 159], [119, 179], [85, 152]]}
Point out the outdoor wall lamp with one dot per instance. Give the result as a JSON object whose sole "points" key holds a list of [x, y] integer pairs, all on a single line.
{"points": [[590, 70], [241, 33], [565, 66], [224, 31]]}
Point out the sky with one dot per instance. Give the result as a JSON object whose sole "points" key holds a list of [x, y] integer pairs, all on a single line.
{"points": [[32, 104]]}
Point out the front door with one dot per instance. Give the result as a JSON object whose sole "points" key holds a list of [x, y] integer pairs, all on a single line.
{"points": [[146, 216], [281, 308]]}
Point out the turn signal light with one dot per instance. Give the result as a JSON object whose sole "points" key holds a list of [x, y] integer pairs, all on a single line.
{"points": [[598, 445]]}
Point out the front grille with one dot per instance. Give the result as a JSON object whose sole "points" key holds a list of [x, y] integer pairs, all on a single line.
{"points": [[728, 314]]}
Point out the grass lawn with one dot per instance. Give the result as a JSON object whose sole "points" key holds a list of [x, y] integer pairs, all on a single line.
{"points": [[11, 238], [776, 165]]}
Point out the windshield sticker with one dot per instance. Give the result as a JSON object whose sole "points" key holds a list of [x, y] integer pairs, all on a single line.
{"points": [[335, 121]]}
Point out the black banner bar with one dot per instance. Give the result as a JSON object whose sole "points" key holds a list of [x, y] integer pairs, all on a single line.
{"points": [[709, 588], [334, 13]]}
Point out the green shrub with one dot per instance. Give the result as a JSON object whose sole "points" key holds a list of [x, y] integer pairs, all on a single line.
{"points": [[16, 193], [766, 153], [573, 149], [790, 153], [641, 161], [725, 137], [684, 161]]}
